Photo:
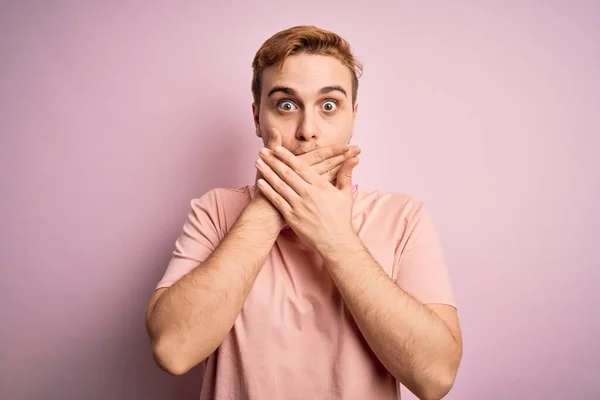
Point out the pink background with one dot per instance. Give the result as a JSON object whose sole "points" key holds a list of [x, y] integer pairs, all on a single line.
{"points": [[115, 114]]}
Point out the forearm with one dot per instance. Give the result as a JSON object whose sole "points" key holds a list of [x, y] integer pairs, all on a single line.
{"points": [[409, 339], [191, 318]]}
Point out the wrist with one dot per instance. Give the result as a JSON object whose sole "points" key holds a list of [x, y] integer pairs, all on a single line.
{"points": [[347, 245], [262, 210]]}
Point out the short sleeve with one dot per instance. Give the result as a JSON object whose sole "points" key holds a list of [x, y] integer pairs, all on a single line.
{"points": [[421, 267], [199, 238]]}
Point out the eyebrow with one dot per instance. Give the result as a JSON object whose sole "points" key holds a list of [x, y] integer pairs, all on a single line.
{"points": [[292, 92]]}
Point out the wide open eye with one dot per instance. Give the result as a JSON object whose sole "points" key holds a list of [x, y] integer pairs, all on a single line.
{"points": [[330, 105], [286, 105]]}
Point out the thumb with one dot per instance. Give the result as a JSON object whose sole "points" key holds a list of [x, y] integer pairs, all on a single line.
{"points": [[344, 175], [274, 139]]}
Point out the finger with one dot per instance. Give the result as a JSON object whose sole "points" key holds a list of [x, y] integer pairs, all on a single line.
{"points": [[275, 181], [288, 174], [331, 175], [291, 169], [323, 153], [275, 198], [335, 161], [274, 139], [344, 176], [257, 191]]}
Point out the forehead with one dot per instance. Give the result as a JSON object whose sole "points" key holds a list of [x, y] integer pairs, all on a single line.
{"points": [[307, 74]]}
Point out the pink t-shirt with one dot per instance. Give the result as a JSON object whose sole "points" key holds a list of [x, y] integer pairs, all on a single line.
{"points": [[294, 338]]}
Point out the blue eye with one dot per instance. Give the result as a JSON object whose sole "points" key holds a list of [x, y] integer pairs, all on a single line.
{"points": [[330, 105], [286, 105]]}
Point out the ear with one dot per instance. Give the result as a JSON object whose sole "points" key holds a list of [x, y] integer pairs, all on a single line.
{"points": [[255, 115], [355, 111]]}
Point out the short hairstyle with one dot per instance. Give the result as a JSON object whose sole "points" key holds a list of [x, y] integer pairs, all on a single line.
{"points": [[303, 39]]}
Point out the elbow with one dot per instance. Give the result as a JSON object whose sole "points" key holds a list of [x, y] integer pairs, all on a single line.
{"points": [[443, 376], [172, 369], [437, 383], [440, 384], [169, 359], [437, 390], [168, 356], [174, 356]]}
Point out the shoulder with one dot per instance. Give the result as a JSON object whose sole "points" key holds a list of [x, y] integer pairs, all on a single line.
{"points": [[400, 216], [222, 206], [224, 198], [389, 205]]}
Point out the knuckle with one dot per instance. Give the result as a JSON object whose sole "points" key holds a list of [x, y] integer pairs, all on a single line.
{"points": [[319, 155], [279, 185], [287, 174], [295, 216], [341, 149]]}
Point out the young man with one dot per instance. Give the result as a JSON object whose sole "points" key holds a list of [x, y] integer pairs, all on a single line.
{"points": [[303, 286]]}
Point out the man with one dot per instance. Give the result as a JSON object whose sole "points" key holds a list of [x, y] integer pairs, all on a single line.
{"points": [[304, 286]]}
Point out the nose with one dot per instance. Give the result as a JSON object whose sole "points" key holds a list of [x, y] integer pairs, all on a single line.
{"points": [[308, 128]]}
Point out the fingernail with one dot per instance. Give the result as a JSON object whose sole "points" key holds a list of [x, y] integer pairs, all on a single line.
{"points": [[260, 163], [278, 150], [264, 151]]}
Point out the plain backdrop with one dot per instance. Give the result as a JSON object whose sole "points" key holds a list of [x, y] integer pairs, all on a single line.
{"points": [[115, 114]]}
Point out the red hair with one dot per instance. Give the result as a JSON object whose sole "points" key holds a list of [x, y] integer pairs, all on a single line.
{"points": [[303, 39]]}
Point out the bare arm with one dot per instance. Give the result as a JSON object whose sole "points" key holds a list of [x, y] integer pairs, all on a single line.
{"points": [[420, 345], [188, 321]]}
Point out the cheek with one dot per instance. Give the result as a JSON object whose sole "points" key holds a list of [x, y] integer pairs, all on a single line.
{"points": [[285, 126], [339, 131]]}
